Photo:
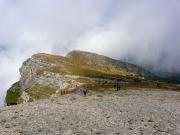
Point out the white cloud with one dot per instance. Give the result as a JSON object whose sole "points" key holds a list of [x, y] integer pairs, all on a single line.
{"points": [[147, 32]]}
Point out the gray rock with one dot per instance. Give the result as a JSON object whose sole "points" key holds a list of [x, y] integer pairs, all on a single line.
{"points": [[137, 112]]}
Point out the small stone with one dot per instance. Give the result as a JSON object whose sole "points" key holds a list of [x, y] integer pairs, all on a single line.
{"points": [[68, 132]]}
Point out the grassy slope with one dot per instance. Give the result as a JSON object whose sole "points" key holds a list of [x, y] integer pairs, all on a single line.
{"points": [[13, 95], [96, 62], [107, 65], [97, 66], [91, 65], [40, 92]]}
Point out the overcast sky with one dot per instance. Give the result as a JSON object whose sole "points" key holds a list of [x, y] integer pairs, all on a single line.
{"points": [[144, 32]]}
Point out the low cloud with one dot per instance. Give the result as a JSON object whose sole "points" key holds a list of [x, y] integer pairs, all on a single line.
{"points": [[142, 32], [145, 33]]}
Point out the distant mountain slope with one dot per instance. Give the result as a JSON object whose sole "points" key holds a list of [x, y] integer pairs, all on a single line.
{"points": [[44, 75], [106, 64]]}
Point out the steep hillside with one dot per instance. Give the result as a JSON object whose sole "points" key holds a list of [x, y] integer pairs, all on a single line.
{"points": [[45, 75]]}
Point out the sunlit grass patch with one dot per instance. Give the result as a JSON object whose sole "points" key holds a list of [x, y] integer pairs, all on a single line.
{"points": [[38, 91]]}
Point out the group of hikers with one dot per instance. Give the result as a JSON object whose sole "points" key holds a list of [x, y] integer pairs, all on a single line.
{"points": [[84, 90]]}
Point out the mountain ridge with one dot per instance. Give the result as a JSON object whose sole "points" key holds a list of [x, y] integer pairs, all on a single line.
{"points": [[45, 75], [107, 60]]}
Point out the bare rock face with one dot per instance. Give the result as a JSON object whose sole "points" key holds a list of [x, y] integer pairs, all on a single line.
{"points": [[29, 70], [35, 85]]}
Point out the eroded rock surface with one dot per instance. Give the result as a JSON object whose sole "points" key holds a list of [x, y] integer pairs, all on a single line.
{"points": [[29, 70], [137, 112]]}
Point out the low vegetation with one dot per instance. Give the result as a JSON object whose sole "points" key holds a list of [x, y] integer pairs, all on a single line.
{"points": [[38, 91], [13, 95]]}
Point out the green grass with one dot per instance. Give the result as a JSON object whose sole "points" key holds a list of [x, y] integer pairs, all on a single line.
{"points": [[13, 95], [83, 71], [82, 65], [94, 66], [38, 91]]}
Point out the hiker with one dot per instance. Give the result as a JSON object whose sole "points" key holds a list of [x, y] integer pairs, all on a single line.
{"points": [[117, 85], [84, 91]]}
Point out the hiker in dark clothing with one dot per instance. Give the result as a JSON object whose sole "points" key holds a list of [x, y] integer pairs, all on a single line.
{"points": [[117, 85], [84, 90]]}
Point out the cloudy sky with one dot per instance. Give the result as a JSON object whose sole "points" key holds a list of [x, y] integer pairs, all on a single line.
{"points": [[144, 32]]}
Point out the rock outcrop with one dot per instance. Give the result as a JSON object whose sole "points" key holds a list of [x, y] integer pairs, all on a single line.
{"points": [[29, 70]]}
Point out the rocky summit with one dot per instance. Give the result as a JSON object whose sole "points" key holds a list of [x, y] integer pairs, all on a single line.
{"points": [[84, 93]]}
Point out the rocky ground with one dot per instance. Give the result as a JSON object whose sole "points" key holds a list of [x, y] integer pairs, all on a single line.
{"points": [[128, 112]]}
